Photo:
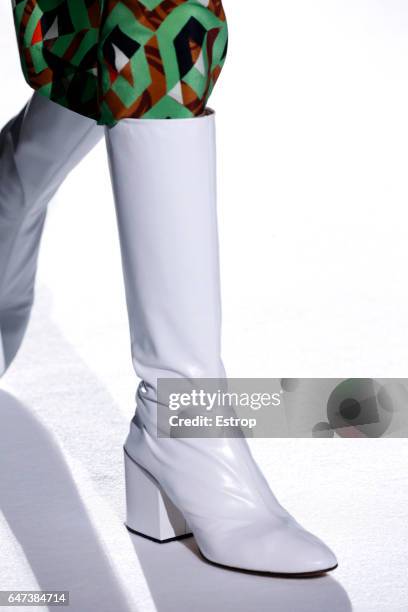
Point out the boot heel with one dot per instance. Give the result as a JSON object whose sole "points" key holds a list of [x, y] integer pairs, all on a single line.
{"points": [[150, 513]]}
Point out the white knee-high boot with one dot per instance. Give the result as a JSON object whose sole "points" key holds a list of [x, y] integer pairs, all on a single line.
{"points": [[163, 175], [38, 149]]}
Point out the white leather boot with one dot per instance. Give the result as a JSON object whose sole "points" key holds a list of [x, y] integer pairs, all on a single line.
{"points": [[38, 149], [163, 175]]}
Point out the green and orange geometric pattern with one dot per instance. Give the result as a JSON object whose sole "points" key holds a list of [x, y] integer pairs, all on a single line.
{"points": [[115, 59]]}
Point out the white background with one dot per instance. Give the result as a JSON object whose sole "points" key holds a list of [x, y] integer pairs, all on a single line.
{"points": [[313, 149]]}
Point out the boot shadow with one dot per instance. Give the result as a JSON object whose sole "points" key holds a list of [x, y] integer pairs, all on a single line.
{"points": [[179, 579], [43, 509]]}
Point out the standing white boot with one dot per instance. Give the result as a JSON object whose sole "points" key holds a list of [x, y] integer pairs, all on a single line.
{"points": [[163, 175], [38, 149]]}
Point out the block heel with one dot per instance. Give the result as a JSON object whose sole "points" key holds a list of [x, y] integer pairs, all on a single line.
{"points": [[149, 511]]}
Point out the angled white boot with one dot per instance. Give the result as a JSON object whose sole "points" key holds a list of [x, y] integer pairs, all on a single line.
{"points": [[163, 175], [38, 149]]}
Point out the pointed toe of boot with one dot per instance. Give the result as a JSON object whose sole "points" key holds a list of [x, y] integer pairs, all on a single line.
{"points": [[285, 549], [316, 558], [299, 552]]}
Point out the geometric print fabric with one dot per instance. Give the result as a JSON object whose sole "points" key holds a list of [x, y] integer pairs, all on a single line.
{"points": [[115, 59]]}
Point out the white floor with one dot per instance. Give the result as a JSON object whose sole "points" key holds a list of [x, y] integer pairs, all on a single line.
{"points": [[313, 200]]}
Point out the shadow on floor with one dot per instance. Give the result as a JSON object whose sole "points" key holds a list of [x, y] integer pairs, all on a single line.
{"points": [[42, 506], [180, 580], [40, 502]]}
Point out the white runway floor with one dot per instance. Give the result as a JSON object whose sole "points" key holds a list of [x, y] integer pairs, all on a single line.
{"points": [[66, 402]]}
